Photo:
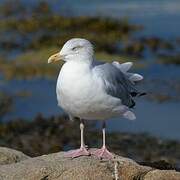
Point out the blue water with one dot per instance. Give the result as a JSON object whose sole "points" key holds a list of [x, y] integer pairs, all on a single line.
{"points": [[160, 119], [160, 18], [42, 98]]}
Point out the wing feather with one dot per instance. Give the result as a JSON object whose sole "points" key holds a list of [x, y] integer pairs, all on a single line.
{"points": [[116, 83]]}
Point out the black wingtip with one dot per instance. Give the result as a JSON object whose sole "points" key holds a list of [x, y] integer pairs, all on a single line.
{"points": [[134, 94], [142, 94], [133, 104]]}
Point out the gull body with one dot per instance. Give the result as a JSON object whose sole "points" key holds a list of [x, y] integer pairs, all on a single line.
{"points": [[93, 92], [80, 93]]}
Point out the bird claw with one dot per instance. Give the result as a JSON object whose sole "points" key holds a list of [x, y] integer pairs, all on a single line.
{"points": [[77, 152], [102, 153]]}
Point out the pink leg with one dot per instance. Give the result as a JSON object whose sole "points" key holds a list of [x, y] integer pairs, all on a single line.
{"points": [[82, 151], [103, 153]]}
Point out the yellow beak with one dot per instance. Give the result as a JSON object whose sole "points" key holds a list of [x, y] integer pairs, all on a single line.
{"points": [[55, 57]]}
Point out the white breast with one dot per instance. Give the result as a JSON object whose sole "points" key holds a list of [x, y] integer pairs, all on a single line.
{"points": [[74, 88], [79, 94]]}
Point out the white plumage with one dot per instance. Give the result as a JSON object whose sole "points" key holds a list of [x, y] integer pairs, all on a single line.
{"points": [[94, 92]]}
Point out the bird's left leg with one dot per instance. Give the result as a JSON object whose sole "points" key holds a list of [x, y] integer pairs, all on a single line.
{"points": [[103, 153], [82, 151]]}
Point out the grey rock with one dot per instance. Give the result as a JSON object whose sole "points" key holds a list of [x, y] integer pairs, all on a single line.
{"points": [[9, 156], [56, 167]]}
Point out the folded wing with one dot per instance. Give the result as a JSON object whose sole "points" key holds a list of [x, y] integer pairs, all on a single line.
{"points": [[119, 82]]}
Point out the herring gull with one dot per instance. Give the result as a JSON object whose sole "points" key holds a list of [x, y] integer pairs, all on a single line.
{"points": [[93, 92]]}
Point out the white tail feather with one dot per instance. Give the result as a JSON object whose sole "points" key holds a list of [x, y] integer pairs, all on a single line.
{"points": [[129, 115], [135, 77], [124, 67]]}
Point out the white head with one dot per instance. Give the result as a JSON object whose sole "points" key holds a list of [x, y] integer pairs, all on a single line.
{"points": [[74, 49]]}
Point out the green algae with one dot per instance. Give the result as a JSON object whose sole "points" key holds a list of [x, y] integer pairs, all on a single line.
{"points": [[54, 29], [6, 102], [33, 64], [173, 59], [39, 27]]}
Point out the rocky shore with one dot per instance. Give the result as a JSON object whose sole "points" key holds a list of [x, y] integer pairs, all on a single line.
{"points": [[16, 165]]}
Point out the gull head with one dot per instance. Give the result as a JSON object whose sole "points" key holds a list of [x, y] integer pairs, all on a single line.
{"points": [[74, 49]]}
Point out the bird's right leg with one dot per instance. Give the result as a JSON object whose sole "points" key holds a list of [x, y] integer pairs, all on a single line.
{"points": [[82, 151], [103, 153]]}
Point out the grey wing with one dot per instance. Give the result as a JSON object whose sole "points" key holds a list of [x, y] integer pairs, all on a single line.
{"points": [[116, 83]]}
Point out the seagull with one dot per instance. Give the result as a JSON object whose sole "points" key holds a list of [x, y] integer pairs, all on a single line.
{"points": [[91, 90]]}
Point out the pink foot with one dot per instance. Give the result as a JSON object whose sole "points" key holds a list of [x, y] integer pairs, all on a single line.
{"points": [[77, 152], [103, 153]]}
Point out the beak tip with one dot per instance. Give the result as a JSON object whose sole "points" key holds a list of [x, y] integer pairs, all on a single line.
{"points": [[54, 58], [49, 61]]}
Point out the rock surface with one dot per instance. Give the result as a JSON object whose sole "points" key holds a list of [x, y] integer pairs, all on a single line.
{"points": [[57, 167], [9, 156]]}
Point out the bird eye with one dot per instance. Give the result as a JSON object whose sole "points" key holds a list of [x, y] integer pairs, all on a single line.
{"points": [[77, 47]]}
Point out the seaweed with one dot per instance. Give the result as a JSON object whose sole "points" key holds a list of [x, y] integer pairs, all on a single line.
{"points": [[6, 102], [47, 135]]}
